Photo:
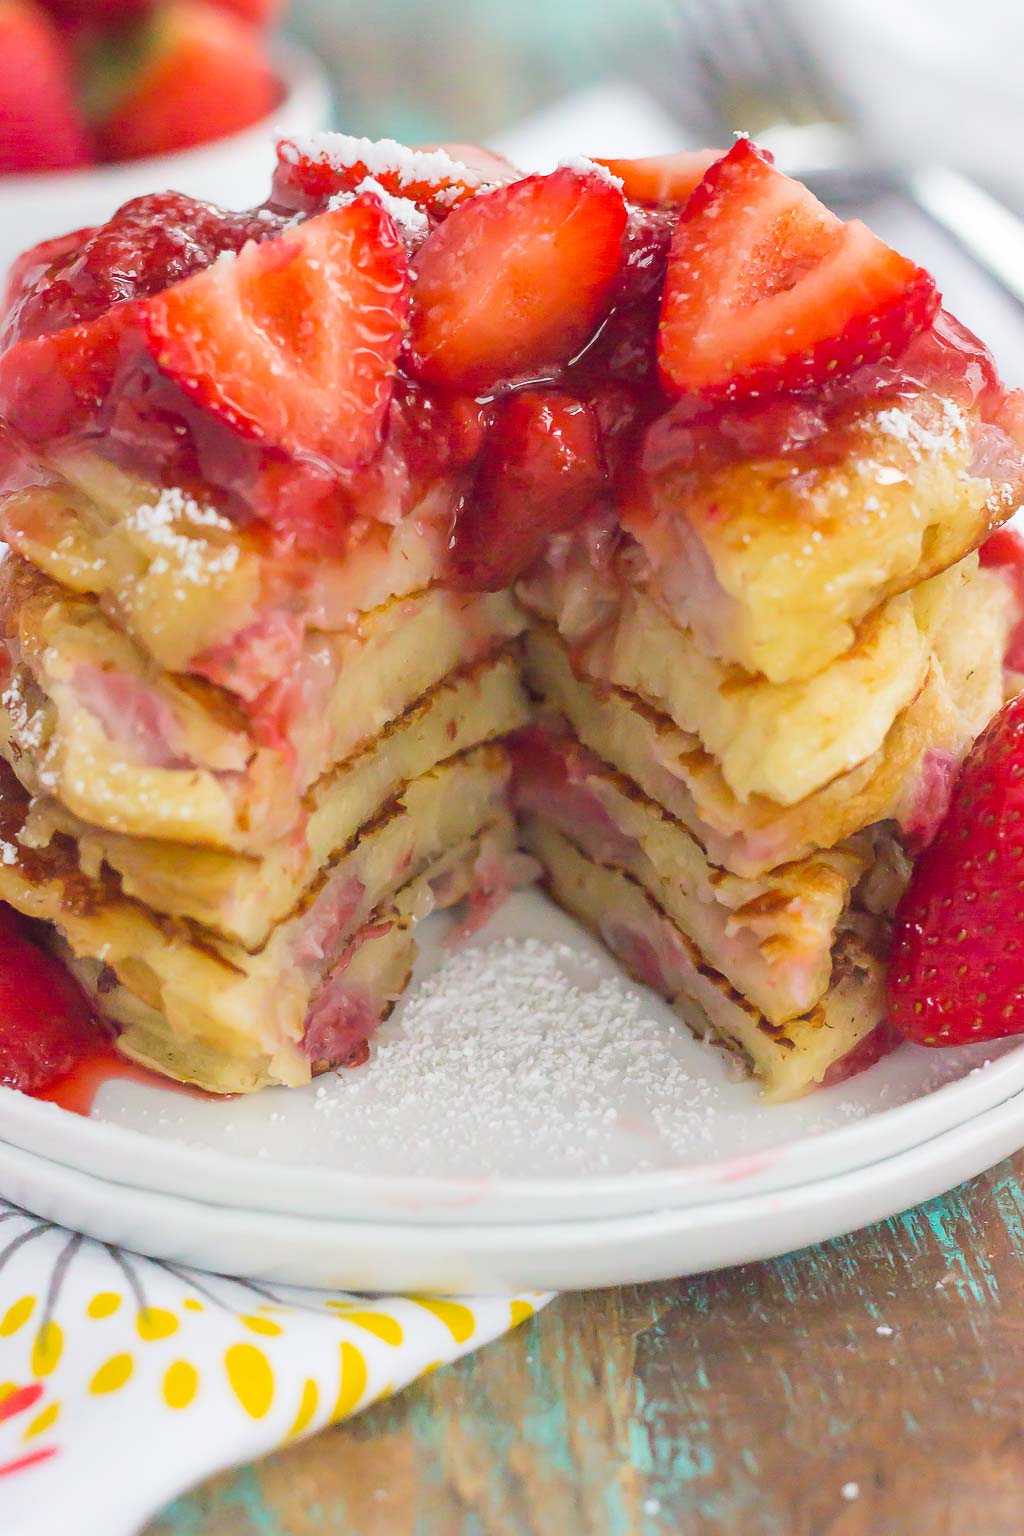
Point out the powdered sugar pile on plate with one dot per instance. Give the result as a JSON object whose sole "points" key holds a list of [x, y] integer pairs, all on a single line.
{"points": [[526, 1054], [525, 1047]]}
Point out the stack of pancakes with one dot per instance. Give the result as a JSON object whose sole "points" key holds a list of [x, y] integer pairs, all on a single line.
{"points": [[236, 778], [235, 782], [751, 705]]}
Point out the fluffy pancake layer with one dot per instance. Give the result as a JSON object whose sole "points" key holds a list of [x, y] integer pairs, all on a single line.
{"points": [[262, 1002], [771, 937], [89, 718], [186, 583], [961, 688], [354, 998], [782, 741], [241, 896], [790, 1058], [774, 562]]}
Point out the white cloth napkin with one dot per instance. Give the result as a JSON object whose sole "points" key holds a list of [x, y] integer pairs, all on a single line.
{"points": [[124, 1381]]}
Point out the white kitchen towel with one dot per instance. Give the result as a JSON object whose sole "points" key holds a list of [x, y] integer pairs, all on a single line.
{"points": [[124, 1381]]}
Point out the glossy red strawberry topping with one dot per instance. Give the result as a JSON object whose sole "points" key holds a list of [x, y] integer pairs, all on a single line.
{"points": [[150, 243], [46, 1022], [529, 344], [769, 293], [540, 471]]}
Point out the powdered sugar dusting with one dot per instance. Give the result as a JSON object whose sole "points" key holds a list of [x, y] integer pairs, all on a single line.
{"points": [[590, 168], [380, 156], [923, 439], [501, 1041], [404, 212], [195, 560]]}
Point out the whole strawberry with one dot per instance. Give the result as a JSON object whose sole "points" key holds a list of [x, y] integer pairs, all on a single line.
{"points": [[956, 972], [41, 128]]}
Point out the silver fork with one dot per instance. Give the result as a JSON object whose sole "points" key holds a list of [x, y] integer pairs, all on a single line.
{"points": [[755, 73]]}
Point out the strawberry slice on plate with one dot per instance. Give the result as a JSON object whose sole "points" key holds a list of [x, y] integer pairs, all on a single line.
{"points": [[46, 1023], [663, 179], [956, 970], [515, 281], [540, 471], [768, 292], [294, 342]]}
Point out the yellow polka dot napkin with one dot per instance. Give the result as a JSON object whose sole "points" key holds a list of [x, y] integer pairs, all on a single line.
{"points": [[124, 1380]]}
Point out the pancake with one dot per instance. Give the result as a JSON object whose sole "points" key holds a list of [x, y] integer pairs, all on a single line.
{"points": [[363, 988], [774, 563], [782, 741], [788, 1059], [88, 718], [307, 601], [241, 896], [903, 781], [231, 999], [183, 581]]}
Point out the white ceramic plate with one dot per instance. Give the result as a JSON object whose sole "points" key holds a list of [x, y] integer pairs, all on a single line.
{"points": [[524, 1079], [567, 1255]]}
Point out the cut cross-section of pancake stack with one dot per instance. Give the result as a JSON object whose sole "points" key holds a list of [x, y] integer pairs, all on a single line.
{"points": [[235, 868], [433, 526], [739, 839]]}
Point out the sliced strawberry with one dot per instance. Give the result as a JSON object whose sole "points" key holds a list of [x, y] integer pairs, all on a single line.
{"points": [[56, 385], [663, 178], [767, 292], [435, 177], [148, 244], [540, 471], [514, 282], [27, 269], [202, 73], [1004, 550], [293, 343], [956, 970], [46, 1022], [41, 128]]}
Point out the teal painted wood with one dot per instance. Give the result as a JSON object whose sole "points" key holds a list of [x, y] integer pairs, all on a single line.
{"points": [[889, 1364]]}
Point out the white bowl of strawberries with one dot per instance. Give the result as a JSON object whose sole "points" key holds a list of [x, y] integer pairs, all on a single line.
{"points": [[106, 100]]}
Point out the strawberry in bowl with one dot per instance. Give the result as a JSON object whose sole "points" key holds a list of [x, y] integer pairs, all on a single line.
{"points": [[106, 100]]}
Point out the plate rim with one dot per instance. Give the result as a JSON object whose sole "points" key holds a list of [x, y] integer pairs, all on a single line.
{"points": [[112, 1153], [654, 1245]]}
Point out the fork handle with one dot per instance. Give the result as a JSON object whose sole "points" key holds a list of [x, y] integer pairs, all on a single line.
{"points": [[978, 222]]}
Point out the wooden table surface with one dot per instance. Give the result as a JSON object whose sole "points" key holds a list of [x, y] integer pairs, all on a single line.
{"points": [[873, 1386]]}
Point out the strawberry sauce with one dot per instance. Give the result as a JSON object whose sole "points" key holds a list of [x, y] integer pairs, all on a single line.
{"points": [[583, 421], [78, 1089]]}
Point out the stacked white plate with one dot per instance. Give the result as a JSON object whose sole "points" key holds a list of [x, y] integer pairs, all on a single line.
{"points": [[528, 1119]]}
